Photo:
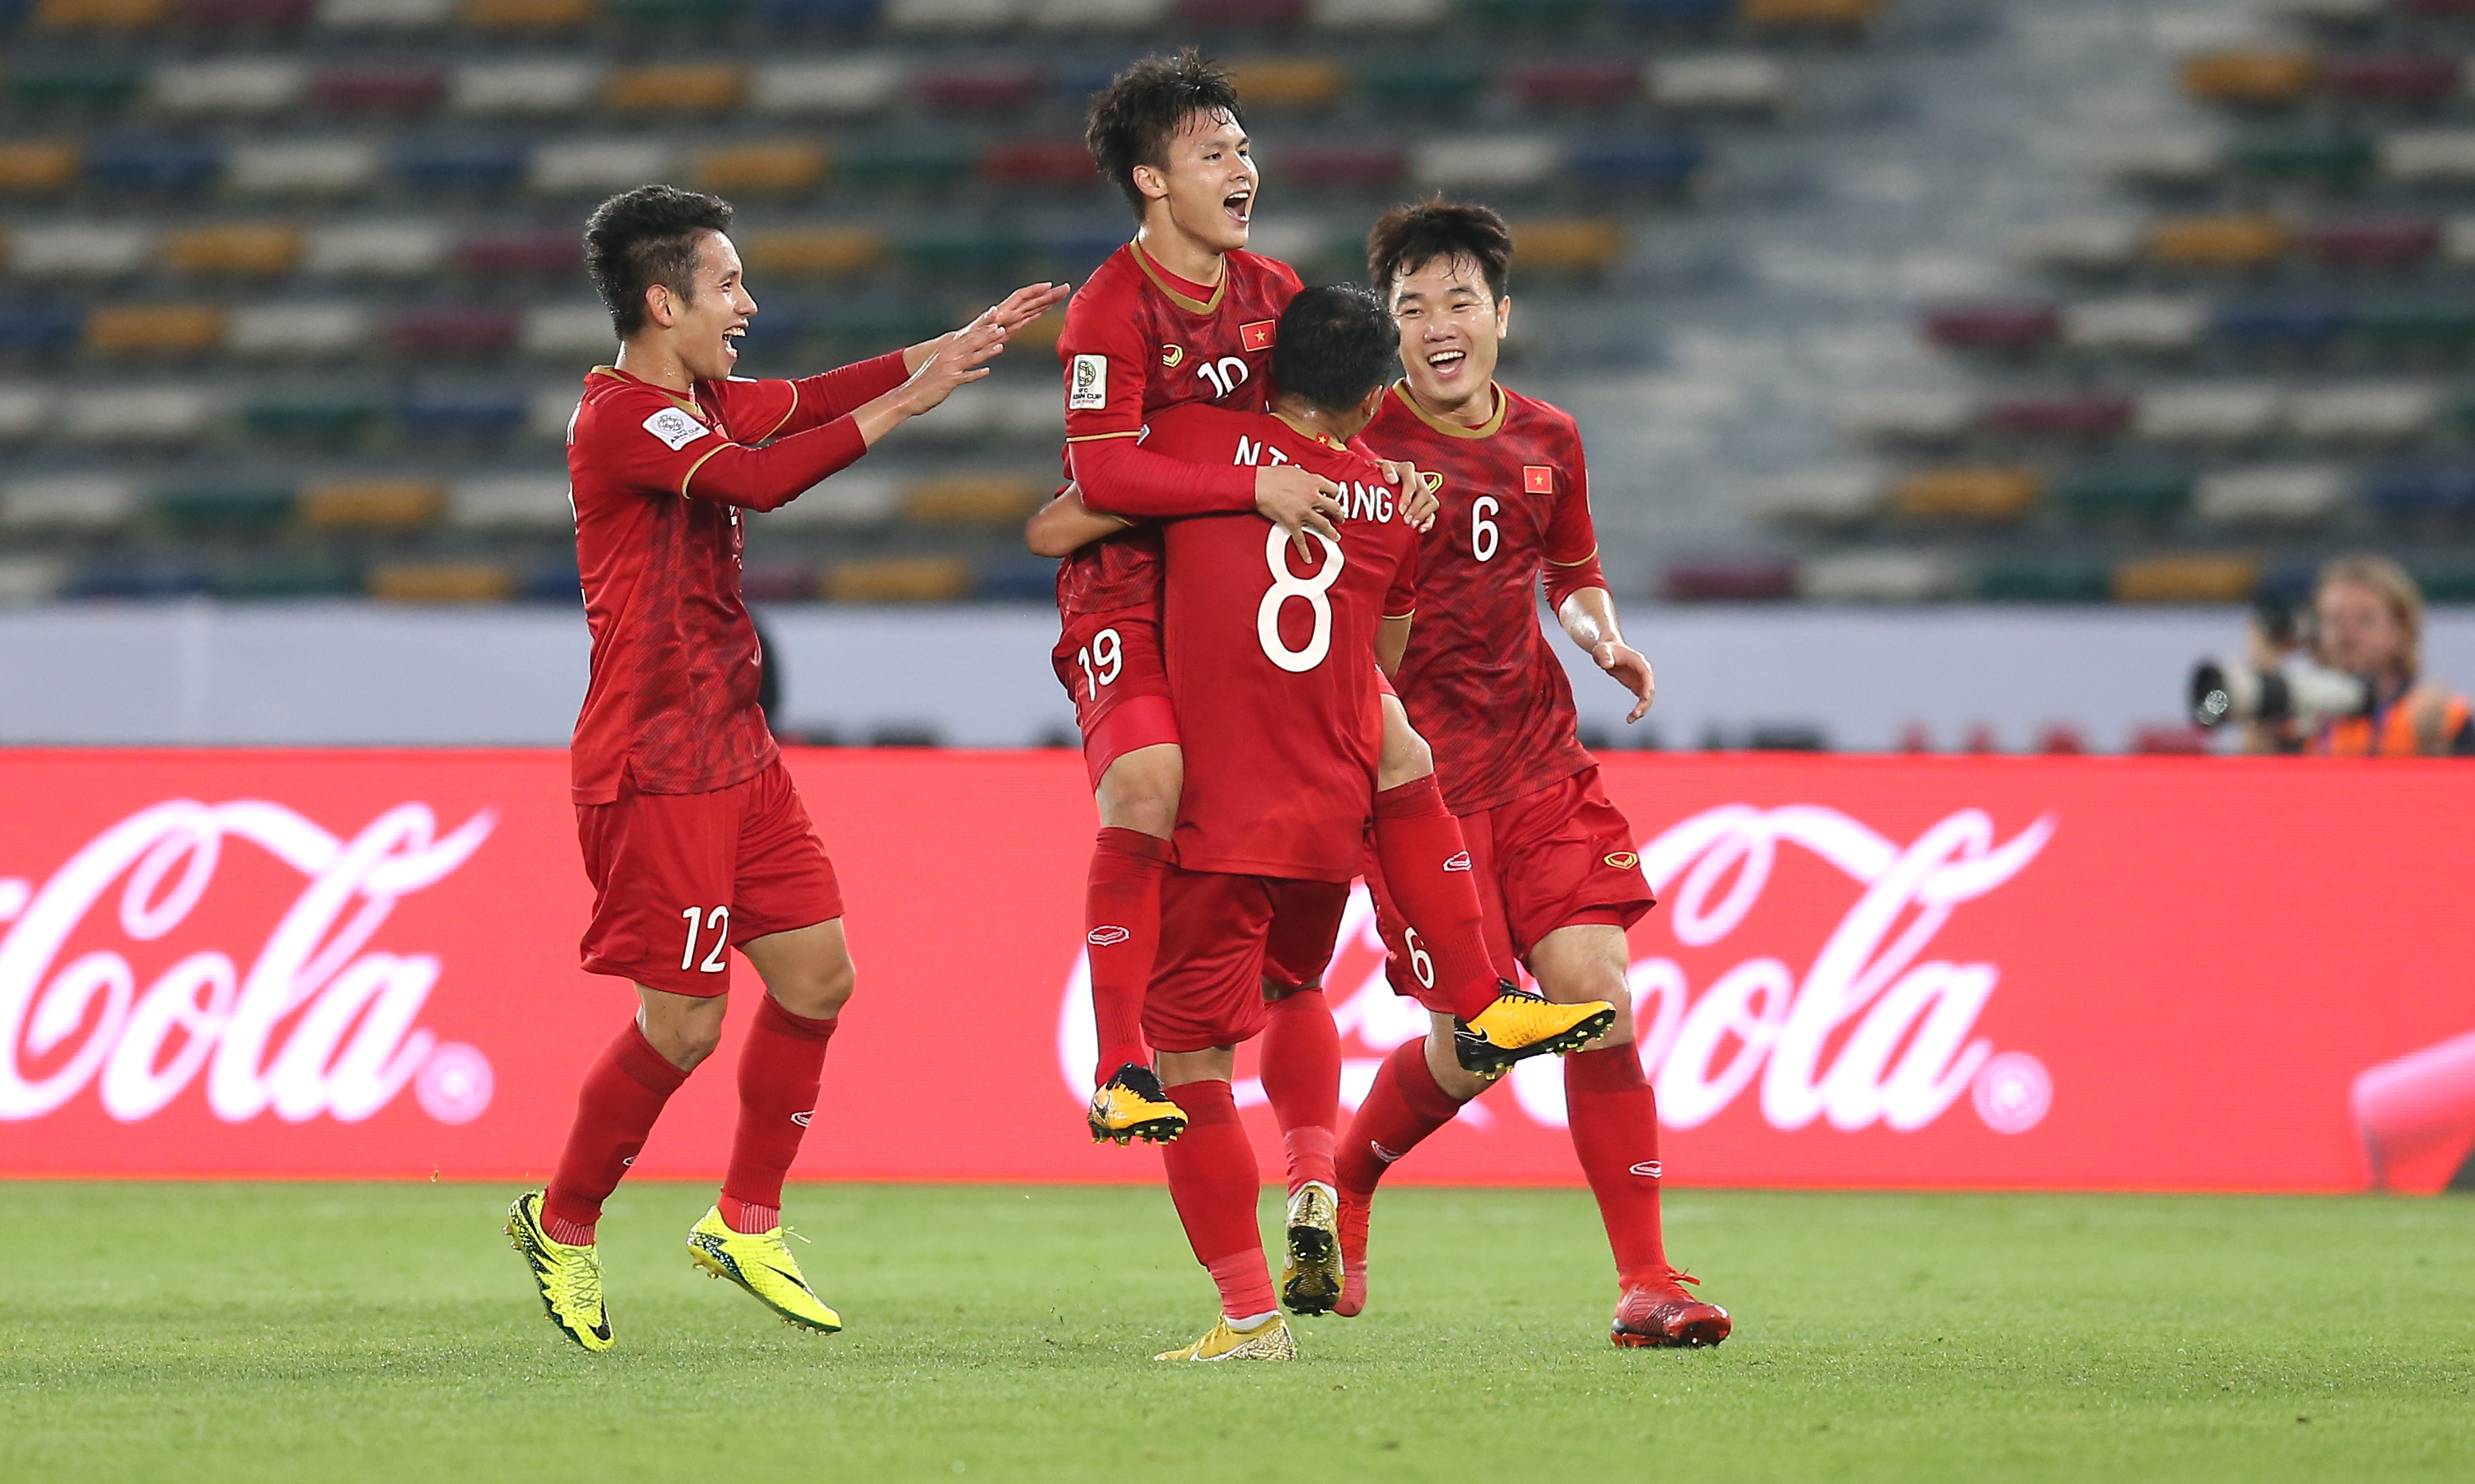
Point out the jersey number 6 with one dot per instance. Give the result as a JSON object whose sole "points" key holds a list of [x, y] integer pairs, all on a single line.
{"points": [[1317, 590]]}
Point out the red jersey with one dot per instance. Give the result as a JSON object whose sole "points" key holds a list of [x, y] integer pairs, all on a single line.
{"points": [[1271, 656], [1480, 681], [1139, 340], [657, 482]]}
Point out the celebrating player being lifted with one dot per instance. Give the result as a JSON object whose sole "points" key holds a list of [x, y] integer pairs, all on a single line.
{"points": [[1183, 315], [694, 838], [1555, 863]]}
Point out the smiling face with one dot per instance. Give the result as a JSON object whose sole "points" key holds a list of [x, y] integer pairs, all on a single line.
{"points": [[1451, 326], [1207, 190], [703, 328]]}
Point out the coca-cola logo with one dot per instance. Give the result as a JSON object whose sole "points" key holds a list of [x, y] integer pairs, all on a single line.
{"points": [[320, 1024], [1871, 1033]]}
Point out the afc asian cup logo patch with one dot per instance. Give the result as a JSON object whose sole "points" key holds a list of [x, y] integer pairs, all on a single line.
{"points": [[1171, 356], [1538, 479], [1256, 336], [675, 429], [1089, 391], [1624, 859]]}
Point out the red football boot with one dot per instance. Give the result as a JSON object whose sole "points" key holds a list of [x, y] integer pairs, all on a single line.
{"points": [[1352, 1215], [1658, 1312]]}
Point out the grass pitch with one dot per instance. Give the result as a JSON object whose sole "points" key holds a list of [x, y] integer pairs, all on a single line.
{"points": [[384, 1332]]}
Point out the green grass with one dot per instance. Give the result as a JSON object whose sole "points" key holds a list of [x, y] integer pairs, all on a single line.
{"points": [[210, 1332]]}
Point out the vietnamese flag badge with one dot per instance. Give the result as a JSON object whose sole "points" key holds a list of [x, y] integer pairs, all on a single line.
{"points": [[1256, 336], [1538, 479]]}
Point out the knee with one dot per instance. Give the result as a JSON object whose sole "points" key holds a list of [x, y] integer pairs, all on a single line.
{"points": [[1152, 813], [1406, 759], [818, 992], [683, 1041]]}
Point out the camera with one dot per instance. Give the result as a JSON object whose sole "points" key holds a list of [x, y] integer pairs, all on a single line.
{"points": [[2224, 691]]}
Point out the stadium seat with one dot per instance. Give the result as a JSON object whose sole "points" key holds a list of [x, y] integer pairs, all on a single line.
{"points": [[2421, 490], [537, 254], [1417, 84], [468, 414], [2429, 156], [385, 15], [980, 88], [2414, 324], [1584, 82], [2166, 156], [453, 329], [136, 577], [2044, 580], [1823, 14], [1095, 15], [673, 12], [2279, 324], [99, 14], [2249, 76], [674, 88], [246, 14], [965, 250], [2085, 414], [1039, 163], [2374, 242], [1575, 247], [225, 504], [2402, 77], [2322, 154], [1990, 493], [285, 577], [30, 167], [237, 249], [1878, 578], [1248, 12], [513, 501], [79, 249], [460, 165], [846, 13], [1546, 13], [63, 84], [25, 411], [1289, 81], [2216, 241], [545, 413], [595, 167], [547, 84], [1743, 579], [1484, 160], [88, 501], [302, 167], [388, 504], [41, 327], [2193, 578], [1338, 164], [972, 500], [2147, 492], [2225, 413], [813, 252], [537, 16], [224, 85], [135, 414], [845, 85], [1907, 415], [325, 417], [151, 165], [960, 17], [2139, 322], [896, 579], [766, 168], [442, 582], [1651, 164], [1825, 496], [908, 160], [2078, 244], [2283, 494], [378, 87], [579, 329], [154, 329], [1994, 325], [375, 249], [2377, 413], [1742, 82]]}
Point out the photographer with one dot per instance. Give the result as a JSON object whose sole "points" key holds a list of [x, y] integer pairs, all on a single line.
{"points": [[2369, 621]]}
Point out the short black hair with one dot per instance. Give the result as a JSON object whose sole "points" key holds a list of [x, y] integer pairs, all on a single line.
{"points": [[1134, 119], [1335, 344], [646, 237], [1407, 238]]}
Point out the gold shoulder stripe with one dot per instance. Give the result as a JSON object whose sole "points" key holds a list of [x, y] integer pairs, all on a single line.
{"points": [[1581, 562], [700, 464], [786, 412], [1395, 617], [1097, 437]]}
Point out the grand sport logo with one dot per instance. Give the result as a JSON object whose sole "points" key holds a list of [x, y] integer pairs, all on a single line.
{"points": [[315, 1026], [1873, 1032]]}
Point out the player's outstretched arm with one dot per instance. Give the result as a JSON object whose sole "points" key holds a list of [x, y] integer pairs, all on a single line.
{"points": [[1065, 526], [1588, 615], [1010, 314], [957, 360]]}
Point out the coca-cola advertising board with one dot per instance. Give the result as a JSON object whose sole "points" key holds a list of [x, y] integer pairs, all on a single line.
{"points": [[2081, 973]]}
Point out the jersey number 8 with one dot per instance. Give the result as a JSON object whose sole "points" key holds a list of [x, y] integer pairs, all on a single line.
{"points": [[1314, 591]]}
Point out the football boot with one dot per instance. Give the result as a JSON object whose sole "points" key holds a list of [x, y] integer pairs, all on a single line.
{"points": [[1520, 1024], [1311, 1278], [758, 1262], [1269, 1340], [1131, 1105], [569, 1278], [1661, 1313]]}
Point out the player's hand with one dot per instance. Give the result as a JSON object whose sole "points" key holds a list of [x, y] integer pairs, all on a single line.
{"points": [[1419, 502], [954, 360], [1625, 662], [1298, 502], [1025, 305]]}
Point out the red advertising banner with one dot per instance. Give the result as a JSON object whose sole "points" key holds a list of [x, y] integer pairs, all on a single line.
{"points": [[2093, 973]]}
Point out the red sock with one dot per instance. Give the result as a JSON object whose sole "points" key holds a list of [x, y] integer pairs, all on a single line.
{"points": [[1417, 841], [779, 1069], [1212, 1178], [1614, 1120], [1122, 924], [1403, 1108], [624, 1092], [1302, 1081]]}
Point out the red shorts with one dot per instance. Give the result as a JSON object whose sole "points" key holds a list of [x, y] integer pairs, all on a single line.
{"points": [[1207, 985], [679, 879], [1111, 663], [1297, 947], [1554, 857]]}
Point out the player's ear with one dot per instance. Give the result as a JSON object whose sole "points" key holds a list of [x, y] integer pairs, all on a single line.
{"points": [[661, 306], [1503, 315], [1371, 404], [1151, 181]]}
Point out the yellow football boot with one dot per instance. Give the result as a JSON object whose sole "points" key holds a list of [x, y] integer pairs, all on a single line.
{"points": [[758, 1262], [1131, 1105], [1311, 1278], [1520, 1024], [569, 1278], [1269, 1340]]}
